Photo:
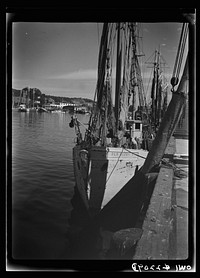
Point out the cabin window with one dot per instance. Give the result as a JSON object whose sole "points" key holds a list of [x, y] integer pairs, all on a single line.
{"points": [[137, 126]]}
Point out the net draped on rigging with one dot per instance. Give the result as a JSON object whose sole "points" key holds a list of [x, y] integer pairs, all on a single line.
{"points": [[104, 120]]}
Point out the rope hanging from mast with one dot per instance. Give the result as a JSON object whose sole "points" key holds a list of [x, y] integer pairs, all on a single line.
{"points": [[179, 56]]}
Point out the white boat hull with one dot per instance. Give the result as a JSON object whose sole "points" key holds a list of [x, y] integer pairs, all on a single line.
{"points": [[23, 109], [101, 172]]}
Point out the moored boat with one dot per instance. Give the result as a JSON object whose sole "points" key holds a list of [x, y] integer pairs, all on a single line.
{"points": [[113, 148], [23, 108], [41, 109]]}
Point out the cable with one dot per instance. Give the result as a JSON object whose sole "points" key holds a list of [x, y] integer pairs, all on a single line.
{"points": [[135, 153], [171, 164], [179, 56], [114, 166], [182, 50]]}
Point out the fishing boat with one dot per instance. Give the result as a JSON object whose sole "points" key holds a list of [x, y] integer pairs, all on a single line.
{"points": [[158, 97], [27, 106], [159, 92], [100, 156], [23, 108], [41, 109], [112, 149]]}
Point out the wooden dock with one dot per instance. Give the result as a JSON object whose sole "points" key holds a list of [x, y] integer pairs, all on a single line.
{"points": [[160, 233], [165, 228], [158, 224]]}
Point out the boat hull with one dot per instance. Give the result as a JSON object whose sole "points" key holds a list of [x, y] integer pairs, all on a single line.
{"points": [[101, 172], [23, 109]]}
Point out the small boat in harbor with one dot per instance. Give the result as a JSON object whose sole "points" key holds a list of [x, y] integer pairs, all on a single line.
{"points": [[23, 108], [41, 109]]}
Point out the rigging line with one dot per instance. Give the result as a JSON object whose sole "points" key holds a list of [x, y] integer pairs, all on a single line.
{"points": [[126, 66], [111, 51], [152, 55], [134, 153], [149, 81], [97, 87], [125, 56], [110, 36], [182, 51], [98, 33], [178, 52], [82, 124], [114, 166], [184, 29], [173, 165], [141, 81]]}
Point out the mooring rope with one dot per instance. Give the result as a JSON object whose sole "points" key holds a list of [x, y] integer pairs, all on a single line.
{"points": [[114, 167], [134, 153], [171, 164], [177, 170]]}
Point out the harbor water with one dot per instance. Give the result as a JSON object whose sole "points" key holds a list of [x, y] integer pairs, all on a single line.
{"points": [[42, 184]]}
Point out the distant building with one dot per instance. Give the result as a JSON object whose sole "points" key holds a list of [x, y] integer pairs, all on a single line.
{"points": [[19, 97], [50, 100], [32, 97]]}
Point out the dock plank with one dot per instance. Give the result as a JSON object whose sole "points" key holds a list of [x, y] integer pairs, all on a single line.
{"points": [[157, 225]]}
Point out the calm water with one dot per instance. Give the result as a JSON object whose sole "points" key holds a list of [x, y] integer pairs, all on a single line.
{"points": [[42, 183]]}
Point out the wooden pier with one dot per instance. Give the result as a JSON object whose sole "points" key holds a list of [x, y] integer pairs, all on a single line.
{"points": [[161, 233], [165, 227]]}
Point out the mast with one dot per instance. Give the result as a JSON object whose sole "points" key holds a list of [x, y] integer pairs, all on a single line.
{"points": [[159, 100], [165, 100], [20, 95], [133, 70], [135, 74], [101, 64], [168, 124], [13, 99], [103, 118], [118, 77], [153, 90], [33, 97], [156, 90], [27, 97], [157, 87]]}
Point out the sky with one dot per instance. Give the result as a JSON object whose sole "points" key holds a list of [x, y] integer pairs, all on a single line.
{"points": [[61, 58]]}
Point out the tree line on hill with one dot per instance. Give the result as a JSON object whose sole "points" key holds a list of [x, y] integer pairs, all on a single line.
{"points": [[35, 94]]}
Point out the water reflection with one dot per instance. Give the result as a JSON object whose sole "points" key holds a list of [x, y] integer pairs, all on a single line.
{"points": [[42, 184]]}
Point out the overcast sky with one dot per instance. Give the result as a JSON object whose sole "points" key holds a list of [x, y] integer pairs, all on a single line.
{"points": [[61, 58]]}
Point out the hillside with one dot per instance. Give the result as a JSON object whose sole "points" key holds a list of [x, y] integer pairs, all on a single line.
{"points": [[75, 100], [16, 93]]}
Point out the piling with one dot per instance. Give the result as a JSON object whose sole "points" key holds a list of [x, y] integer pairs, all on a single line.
{"points": [[123, 242]]}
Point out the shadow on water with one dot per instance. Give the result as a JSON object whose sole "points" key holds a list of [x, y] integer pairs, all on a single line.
{"points": [[126, 210], [38, 233], [41, 185], [40, 223]]}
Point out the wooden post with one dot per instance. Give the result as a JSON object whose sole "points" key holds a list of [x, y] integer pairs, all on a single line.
{"points": [[123, 241], [168, 124]]}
